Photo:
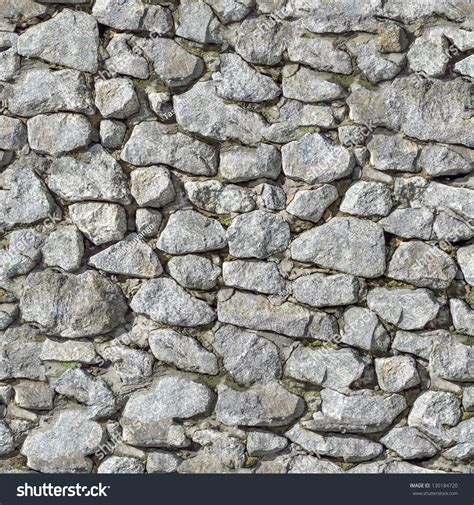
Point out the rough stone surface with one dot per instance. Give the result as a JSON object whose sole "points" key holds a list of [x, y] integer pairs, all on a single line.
{"points": [[194, 272], [320, 290], [310, 204], [367, 199]]}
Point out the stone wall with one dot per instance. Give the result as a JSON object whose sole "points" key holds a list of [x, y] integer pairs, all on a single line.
{"points": [[237, 236]]}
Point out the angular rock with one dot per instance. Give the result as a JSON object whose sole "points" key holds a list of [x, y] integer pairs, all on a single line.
{"points": [[72, 306], [257, 234], [429, 55], [396, 373], [152, 186], [229, 11], [451, 228], [391, 152], [187, 231], [64, 248], [121, 464], [93, 175], [7, 444], [321, 290], [263, 277], [308, 86], [439, 161], [182, 351], [465, 258], [77, 31], [123, 59], [131, 365], [9, 58], [270, 196], [409, 443], [409, 309], [263, 443], [310, 204], [162, 462], [197, 22], [248, 358], [68, 351], [465, 66], [116, 98], [453, 361], [131, 257], [422, 265], [34, 395], [468, 398], [99, 222], [367, 199], [194, 272], [12, 133], [151, 143], [164, 301], [409, 223], [309, 464], [148, 222], [112, 133], [463, 316], [336, 244], [262, 405], [363, 329]]}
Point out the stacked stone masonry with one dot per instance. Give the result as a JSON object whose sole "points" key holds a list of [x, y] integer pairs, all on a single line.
{"points": [[237, 236]]}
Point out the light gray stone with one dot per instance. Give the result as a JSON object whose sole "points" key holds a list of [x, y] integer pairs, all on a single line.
{"points": [[409, 223], [468, 398], [257, 234], [148, 222], [132, 366], [419, 344], [408, 309], [310, 464], [72, 306], [34, 395], [112, 133], [270, 196], [164, 301], [123, 59], [64, 248], [194, 272], [67, 351], [187, 231], [182, 351], [162, 462], [363, 329], [197, 22], [261, 405], [409, 443], [465, 66], [9, 58], [396, 373], [321, 290], [429, 54], [465, 258], [7, 444], [248, 358], [391, 152], [121, 464], [310, 204], [453, 361], [116, 98], [367, 199], [152, 186], [230, 11], [451, 228], [439, 161], [12, 133], [463, 316], [264, 443], [306, 85], [422, 265], [263, 277]]}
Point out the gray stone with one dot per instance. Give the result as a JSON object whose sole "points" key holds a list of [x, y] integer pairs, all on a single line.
{"points": [[24, 199], [257, 234], [41, 90], [230, 11], [59, 133], [23, 253], [200, 110], [67, 351], [264, 443], [72, 306], [99, 222], [87, 389], [310, 204], [52, 449], [316, 159], [321, 290], [409, 223], [182, 351], [396, 373], [123, 59], [197, 22], [34, 395], [463, 316], [408, 309], [148, 222], [151, 143], [429, 54], [239, 81], [9, 58], [132, 257], [194, 272], [261, 276], [422, 265], [419, 344], [20, 349], [367, 199], [8, 313], [12, 133], [451, 228], [439, 161], [64, 248], [152, 186], [219, 198], [112, 133], [363, 329], [92, 175], [131, 365], [350, 448], [465, 66], [468, 398], [248, 358], [238, 164], [76, 30], [116, 98], [173, 64], [164, 301], [261, 405], [121, 464], [363, 411], [270, 196], [133, 15], [391, 152], [7, 444], [256, 312], [333, 368], [310, 464], [306, 85], [465, 258], [148, 417], [187, 231], [453, 361], [409, 443], [337, 243], [162, 462]]}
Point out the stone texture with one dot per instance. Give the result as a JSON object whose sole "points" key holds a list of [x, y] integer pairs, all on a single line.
{"points": [[320, 290], [116, 98], [367, 199], [363, 329], [194, 272], [257, 276], [397, 373], [310, 204]]}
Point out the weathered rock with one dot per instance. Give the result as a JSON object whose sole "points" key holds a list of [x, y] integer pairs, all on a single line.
{"points": [[391, 152], [310, 464], [468, 398], [363, 329], [453, 361], [76, 30], [336, 244], [34, 395], [321, 290], [72, 306], [263, 443], [260, 276], [306, 85], [148, 222], [9, 58], [229, 11], [116, 98], [112, 133], [409, 443], [121, 464], [465, 66], [422, 265], [64, 248], [93, 175], [194, 272], [367, 199], [123, 59], [100, 222], [270, 196], [439, 161], [465, 258], [162, 462], [152, 186], [409, 223], [131, 365], [248, 358], [419, 344], [197, 22], [52, 449], [151, 143], [463, 316], [68, 351], [12, 133], [409, 309], [429, 55], [164, 301], [262, 405], [7, 443], [219, 198], [451, 228], [396, 373], [182, 351], [58, 133], [257, 234], [187, 231], [310, 204]]}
